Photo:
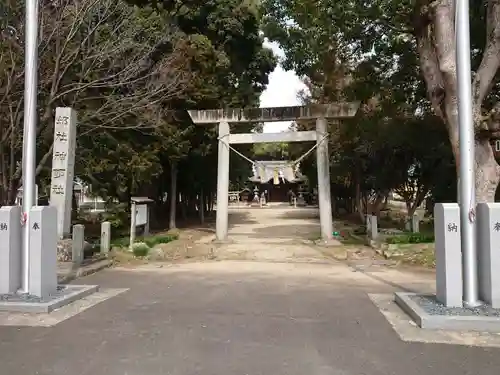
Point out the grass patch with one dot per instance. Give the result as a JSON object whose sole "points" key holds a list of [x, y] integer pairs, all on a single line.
{"points": [[352, 241], [159, 239], [411, 238], [422, 257], [150, 241]]}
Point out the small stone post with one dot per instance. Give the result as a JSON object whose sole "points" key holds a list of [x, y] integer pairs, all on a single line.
{"points": [[78, 244], [10, 249], [373, 227], [488, 227], [42, 221], [148, 216], [415, 224], [448, 254], [105, 237]]}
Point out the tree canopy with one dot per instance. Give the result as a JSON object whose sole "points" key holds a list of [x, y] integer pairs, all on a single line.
{"points": [[131, 71]]}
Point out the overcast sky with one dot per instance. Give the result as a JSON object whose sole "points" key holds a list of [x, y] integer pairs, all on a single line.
{"points": [[282, 90]]}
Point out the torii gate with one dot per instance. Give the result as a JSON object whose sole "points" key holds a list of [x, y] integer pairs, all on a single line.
{"points": [[318, 112]]}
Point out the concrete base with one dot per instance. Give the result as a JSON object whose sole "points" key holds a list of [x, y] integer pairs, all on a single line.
{"points": [[71, 294], [480, 323]]}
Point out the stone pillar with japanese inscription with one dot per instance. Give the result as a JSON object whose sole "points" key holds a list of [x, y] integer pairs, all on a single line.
{"points": [[42, 222], [10, 249], [448, 254], [488, 237], [63, 163]]}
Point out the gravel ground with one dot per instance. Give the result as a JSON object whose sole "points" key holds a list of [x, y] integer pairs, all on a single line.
{"points": [[433, 307]]}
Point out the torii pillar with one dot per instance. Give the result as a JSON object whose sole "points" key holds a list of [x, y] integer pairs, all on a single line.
{"points": [[318, 112], [222, 213], [324, 193]]}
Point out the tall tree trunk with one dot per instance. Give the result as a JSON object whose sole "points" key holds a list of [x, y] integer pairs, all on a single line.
{"points": [[434, 25], [359, 203], [201, 206], [487, 172], [173, 195]]}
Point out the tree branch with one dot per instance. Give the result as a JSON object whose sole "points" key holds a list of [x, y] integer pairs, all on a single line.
{"points": [[484, 77]]}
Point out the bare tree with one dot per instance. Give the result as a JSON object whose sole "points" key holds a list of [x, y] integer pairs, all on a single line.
{"points": [[110, 61]]}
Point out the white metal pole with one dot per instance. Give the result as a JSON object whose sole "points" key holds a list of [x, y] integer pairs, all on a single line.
{"points": [[30, 124], [467, 158], [133, 213]]}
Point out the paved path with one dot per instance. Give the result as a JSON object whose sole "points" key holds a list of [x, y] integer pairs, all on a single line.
{"points": [[278, 233], [241, 317], [233, 318]]}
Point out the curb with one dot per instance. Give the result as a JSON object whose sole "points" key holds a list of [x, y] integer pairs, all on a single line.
{"points": [[86, 271]]}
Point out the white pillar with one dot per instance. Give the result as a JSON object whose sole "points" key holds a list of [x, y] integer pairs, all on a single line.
{"points": [[10, 249], [146, 226], [78, 244], [133, 218], [324, 197], [42, 222], [447, 231], [488, 225], [105, 237], [415, 224], [373, 228], [221, 226], [63, 165]]}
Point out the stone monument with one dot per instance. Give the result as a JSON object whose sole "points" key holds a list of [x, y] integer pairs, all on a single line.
{"points": [[488, 215], [63, 164], [10, 249]]}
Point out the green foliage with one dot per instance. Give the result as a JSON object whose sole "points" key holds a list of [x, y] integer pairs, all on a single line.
{"points": [[159, 239], [366, 50], [131, 72], [411, 238], [140, 249], [117, 214], [150, 241]]}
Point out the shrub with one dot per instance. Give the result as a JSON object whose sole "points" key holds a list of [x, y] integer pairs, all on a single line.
{"points": [[155, 240], [140, 249], [411, 238]]}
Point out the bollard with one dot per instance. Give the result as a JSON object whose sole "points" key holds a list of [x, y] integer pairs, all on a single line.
{"points": [[415, 224], [373, 227], [105, 237], [78, 244]]}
